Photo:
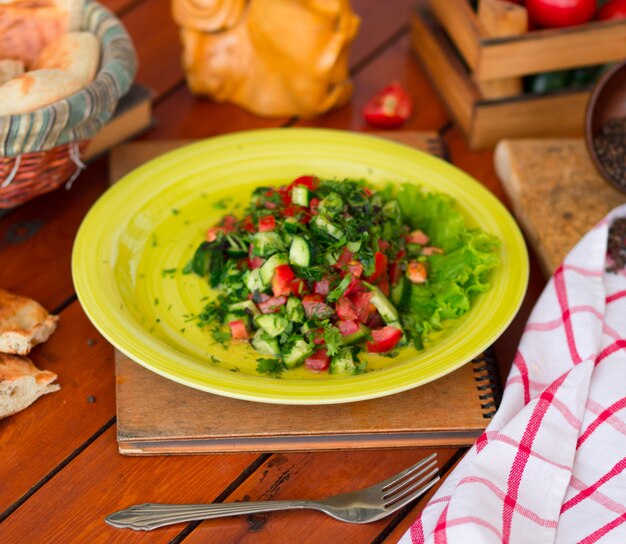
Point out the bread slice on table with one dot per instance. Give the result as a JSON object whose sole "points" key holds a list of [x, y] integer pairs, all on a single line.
{"points": [[24, 323], [77, 53], [22, 383]]}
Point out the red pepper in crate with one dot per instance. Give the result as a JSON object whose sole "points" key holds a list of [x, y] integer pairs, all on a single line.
{"points": [[389, 108]]}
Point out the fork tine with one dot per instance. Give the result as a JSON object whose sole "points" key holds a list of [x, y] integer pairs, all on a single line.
{"points": [[408, 480], [397, 477], [391, 499], [412, 496]]}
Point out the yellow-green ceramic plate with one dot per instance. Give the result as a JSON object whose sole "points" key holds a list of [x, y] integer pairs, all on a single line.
{"points": [[133, 243]]}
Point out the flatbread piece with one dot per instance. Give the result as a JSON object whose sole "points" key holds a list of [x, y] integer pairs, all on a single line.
{"points": [[24, 323], [22, 383]]}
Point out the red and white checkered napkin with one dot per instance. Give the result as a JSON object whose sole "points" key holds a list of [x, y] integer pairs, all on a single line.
{"points": [[550, 466]]}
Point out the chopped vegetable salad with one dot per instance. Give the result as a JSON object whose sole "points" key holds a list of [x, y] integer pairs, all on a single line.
{"points": [[319, 271]]}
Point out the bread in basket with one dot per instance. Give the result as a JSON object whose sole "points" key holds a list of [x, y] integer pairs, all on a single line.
{"points": [[41, 150]]}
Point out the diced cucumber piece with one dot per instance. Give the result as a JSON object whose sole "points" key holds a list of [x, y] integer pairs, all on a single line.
{"points": [[300, 252], [343, 363], [267, 243], [266, 271], [354, 246], [391, 210], [295, 310], [356, 336], [246, 306], [273, 324], [264, 343], [331, 205], [300, 196], [295, 352], [323, 223], [253, 280], [386, 310], [401, 291], [291, 225]]}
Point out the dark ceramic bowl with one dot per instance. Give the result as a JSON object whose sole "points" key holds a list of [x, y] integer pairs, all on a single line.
{"points": [[607, 101]]}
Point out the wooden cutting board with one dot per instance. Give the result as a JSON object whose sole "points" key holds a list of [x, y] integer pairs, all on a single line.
{"points": [[156, 416], [555, 192]]}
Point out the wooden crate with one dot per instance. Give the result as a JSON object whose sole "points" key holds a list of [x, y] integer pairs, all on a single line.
{"points": [[486, 121], [537, 51]]}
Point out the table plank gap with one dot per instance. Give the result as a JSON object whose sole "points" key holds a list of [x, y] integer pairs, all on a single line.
{"points": [[56, 470], [380, 49]]}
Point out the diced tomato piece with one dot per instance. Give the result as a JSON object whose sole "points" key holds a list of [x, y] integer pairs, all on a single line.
{"points": [[395, 272], [380, 266], [318, 336], [431, 250], [229, 222], [238, 329], [313, 206], [315, 307], [247, 224], [345, 258], [281, 281], [383, 245], [298, 287], [355, 286], [284, 195], [346, 328], [269, 205], [384, 339], [345, 309], [375, 321], [417, 237], [255, 262], [290, 210], [416, 272], [310, 182], [362, 305], [211, 234], [322, 287], [272, 304], [267, 223], [318, 362], [383, 284], [355, 268]]}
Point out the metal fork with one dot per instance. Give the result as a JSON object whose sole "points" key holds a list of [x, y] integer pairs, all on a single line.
{"points": [[364, 506]]}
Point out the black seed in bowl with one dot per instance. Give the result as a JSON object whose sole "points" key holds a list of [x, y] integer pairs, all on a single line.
{"points": [[610, 146]]}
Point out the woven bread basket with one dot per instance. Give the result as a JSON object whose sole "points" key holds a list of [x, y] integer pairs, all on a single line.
{"points": [[41, 150]]}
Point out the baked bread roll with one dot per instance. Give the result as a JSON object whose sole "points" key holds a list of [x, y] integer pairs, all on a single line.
{"points": [[24, 323], [9, 69], [22, 383], [77, 53], [36, 89]]}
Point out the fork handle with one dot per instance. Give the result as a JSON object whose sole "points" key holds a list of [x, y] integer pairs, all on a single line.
{"points": [[148, 516]]}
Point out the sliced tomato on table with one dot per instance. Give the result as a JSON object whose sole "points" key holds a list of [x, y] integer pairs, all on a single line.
{"points": [[384, 339], [389, 108]]}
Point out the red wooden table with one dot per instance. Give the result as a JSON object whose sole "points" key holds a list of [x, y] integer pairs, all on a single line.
{"points": [[60, 472]]}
